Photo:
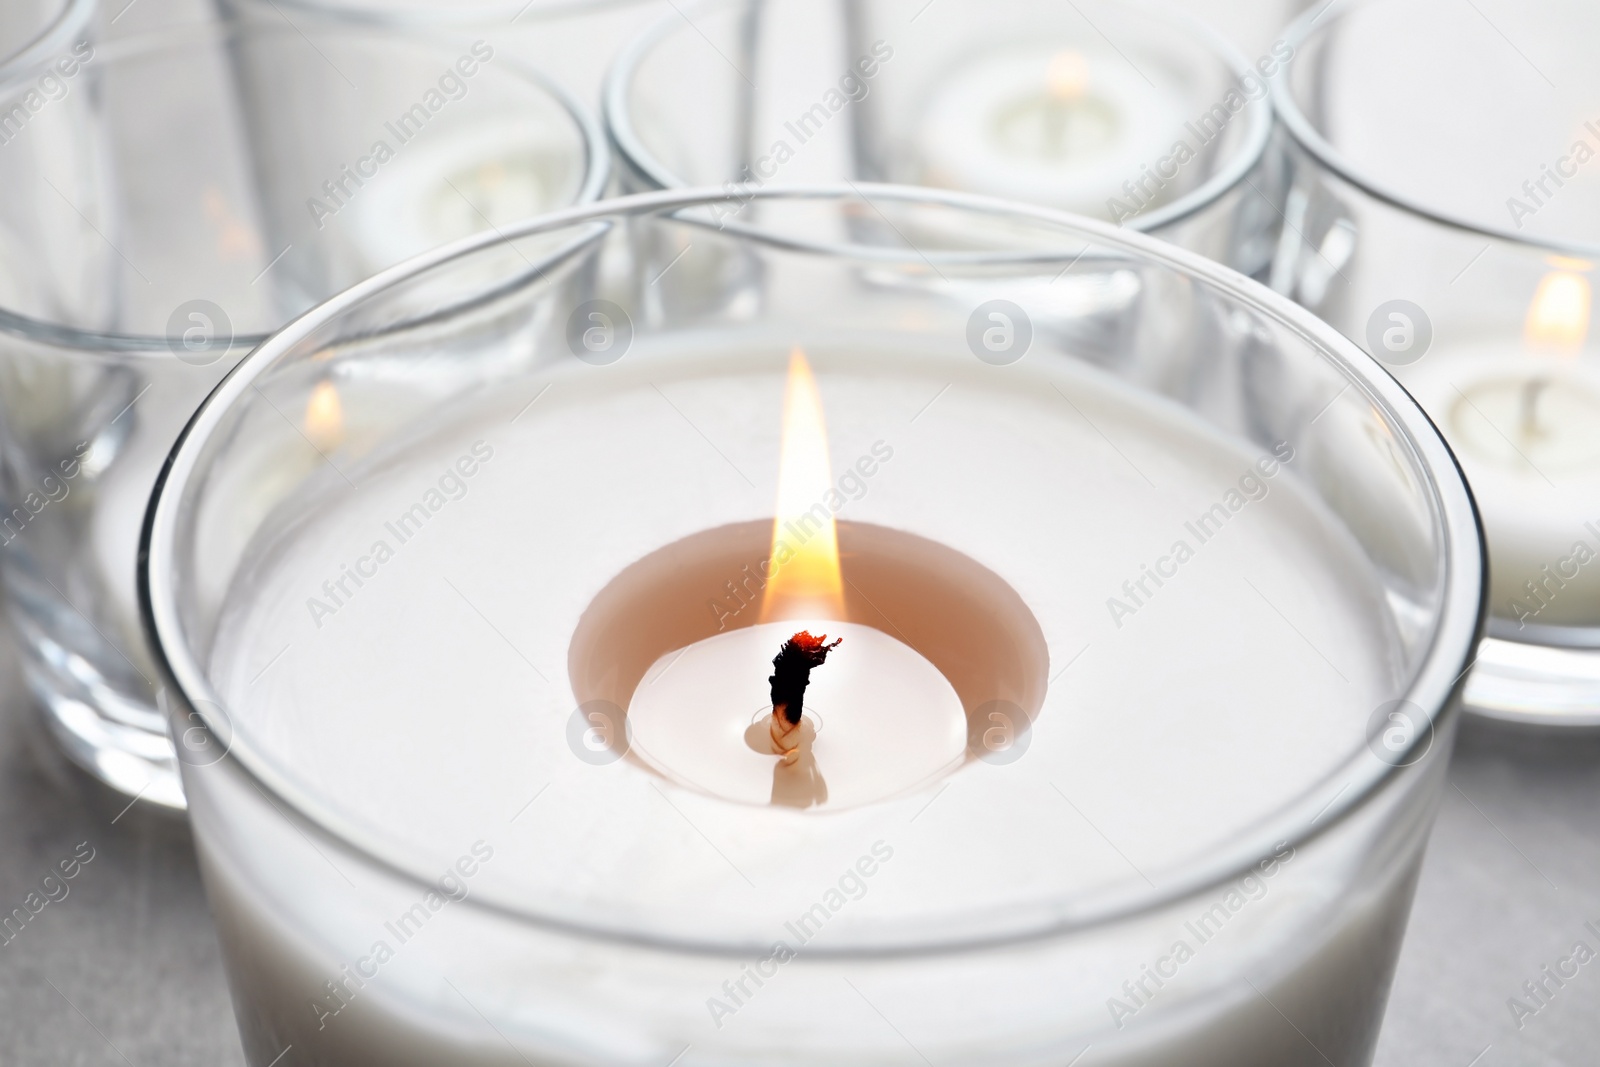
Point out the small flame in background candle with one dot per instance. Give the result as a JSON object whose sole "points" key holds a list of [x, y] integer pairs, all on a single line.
{"points": [[1558, 317], [1067, 76], [806, 583], [325, 417]]}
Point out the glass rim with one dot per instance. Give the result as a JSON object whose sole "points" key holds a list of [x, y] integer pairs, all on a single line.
{"points": [[1258, 134], [438, 12], [1434, 685], [1308, 137], [26, 61], [111, 344]]}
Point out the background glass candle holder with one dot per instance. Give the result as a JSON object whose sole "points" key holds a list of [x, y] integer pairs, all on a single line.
{"points": [[1136, 114], [378, 675], [1253, 26], [143, 240], [36, 33], [573, 41], [1445, 213]]}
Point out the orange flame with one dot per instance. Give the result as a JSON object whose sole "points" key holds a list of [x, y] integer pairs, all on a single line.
{"points": [[1067, 76], [325, 417], [806, 583], [1558, 317]]}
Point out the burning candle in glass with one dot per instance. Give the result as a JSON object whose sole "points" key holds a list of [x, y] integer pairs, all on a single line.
{"points": [[1523, 414], [519, 792], [943, 667]]}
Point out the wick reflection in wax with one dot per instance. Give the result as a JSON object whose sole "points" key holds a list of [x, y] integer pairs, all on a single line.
{"points": [[797, 781]]}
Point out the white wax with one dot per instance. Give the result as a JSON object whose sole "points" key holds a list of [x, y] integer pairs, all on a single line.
{"points": [[998, 126], [1535, 474], [435, 704], [880, 719]]}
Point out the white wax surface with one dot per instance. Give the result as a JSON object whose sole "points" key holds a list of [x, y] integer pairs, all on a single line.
{"points": [[433, 705], [1538, 491]]}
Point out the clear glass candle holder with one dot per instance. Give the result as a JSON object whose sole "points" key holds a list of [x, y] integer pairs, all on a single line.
{"points": [[1445, 214], [36, 34], [1254, 26], [163, 212], [473, 716], [573, 41], [1137, 114]]}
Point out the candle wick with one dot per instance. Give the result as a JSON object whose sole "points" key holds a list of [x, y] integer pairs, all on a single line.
{"points": [[1056, 126], [791, 673], [1532, 390]]}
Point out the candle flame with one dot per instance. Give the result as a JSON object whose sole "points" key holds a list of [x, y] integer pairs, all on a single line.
{"points": [[1558, 317], [1067, 76], [325, 417], [805, 582]]}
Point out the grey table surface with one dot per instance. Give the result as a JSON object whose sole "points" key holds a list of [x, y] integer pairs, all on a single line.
{"points": [[126, 970]]}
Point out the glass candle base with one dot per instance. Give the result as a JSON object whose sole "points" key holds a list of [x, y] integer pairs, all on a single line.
{"points": [[1443, 214], [1248, 578], [571, 41], [1268, 970]]}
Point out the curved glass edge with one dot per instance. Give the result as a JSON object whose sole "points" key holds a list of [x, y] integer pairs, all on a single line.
{"points": [[597, 174], [435, 15], [70, 22], [1436, 685], [1535, 685], [1307, 136], [1541, 676], [641, 162]]}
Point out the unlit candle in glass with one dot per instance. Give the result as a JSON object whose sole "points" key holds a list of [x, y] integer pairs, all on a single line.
{"points": [[1522, 414]]}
